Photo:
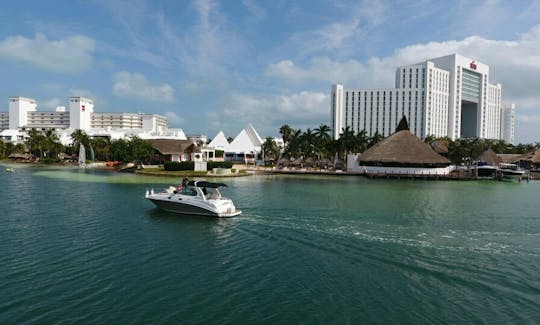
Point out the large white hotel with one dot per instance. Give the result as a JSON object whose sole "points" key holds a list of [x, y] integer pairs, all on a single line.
{"points": [[449, 96], [23, 116]]}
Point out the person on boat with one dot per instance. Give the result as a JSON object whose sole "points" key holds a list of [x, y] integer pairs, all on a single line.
{"points": [[184, 185]]}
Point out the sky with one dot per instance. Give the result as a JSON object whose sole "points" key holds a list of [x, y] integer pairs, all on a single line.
{"points": [[219, 65]]}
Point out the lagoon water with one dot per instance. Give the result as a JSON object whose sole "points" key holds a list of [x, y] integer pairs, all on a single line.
{"points": [[80, 246]]}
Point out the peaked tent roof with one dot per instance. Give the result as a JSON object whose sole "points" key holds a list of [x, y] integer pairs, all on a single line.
{"points": [[254, 135], [402, 149], [248, 140], [219, 142]]}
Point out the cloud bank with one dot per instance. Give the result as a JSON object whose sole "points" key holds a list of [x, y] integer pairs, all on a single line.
{"points": [[136, 85], [67, 56]]}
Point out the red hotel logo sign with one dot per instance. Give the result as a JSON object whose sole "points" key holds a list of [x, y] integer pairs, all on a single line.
{"points": [[472, 65]]}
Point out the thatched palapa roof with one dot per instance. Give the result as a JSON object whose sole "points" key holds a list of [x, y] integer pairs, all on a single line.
{"points": [[533, 156], [490, 157], [174, 147], [402, 149]]}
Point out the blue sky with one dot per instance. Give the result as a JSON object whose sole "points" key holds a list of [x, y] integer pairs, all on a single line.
{"points": [[218, 65]]}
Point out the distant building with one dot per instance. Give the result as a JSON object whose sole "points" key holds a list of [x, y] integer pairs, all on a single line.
{"points": [[245, 147], [23, 116], [508, 117], [446, 96]]}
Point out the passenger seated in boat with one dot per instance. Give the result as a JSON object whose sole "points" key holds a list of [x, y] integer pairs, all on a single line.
{"points": [[179, 189]]}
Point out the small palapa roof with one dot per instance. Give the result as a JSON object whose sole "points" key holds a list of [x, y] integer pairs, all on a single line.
{"points": [[173, 146], [402, 149], [490, 157], [510, 158], [533, 156]]}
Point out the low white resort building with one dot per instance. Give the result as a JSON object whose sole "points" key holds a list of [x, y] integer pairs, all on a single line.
{"points": [[23, 116], [244, 148], [449, 96]]}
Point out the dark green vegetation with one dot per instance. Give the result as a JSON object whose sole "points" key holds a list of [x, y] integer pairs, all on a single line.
{"points": [[318, 144], [46, 146]]}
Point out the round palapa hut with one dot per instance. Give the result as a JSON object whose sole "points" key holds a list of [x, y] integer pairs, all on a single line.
{"points": [[402, 149]]}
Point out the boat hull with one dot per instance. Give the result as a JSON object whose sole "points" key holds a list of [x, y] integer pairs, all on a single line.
{"points": [[177, 204], [486, 171], [512, 174]]}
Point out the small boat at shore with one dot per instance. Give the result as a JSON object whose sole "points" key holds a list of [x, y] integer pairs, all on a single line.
{"points": [[10, 169], [484, 170], [195, 198], [511, 171]]}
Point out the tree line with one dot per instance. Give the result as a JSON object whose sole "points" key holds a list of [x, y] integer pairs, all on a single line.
{"points": [[47, 147], [318, 144]]}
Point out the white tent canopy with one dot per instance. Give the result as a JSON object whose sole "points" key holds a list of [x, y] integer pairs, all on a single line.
{"points": [[247, 141], [219, 142]]}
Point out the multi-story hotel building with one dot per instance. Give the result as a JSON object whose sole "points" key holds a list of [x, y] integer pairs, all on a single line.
{"points": [[447, 96], [507, 123], [23, 116]]}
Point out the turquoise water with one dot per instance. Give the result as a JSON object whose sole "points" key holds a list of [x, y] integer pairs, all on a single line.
{"points": [[85, 247]]}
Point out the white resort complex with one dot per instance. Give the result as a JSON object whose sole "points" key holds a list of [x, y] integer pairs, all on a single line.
{"points": [[449, 96], [23, 116]]}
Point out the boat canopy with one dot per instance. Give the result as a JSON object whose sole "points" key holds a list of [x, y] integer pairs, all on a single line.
{"points": [[206, 184]]}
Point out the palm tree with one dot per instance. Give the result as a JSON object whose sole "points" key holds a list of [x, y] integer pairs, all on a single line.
{"points": [[373, 140], [101, 146], [348, 141], [80, 137], [322, 134], [36, 142], [286, 133], [3, 149], [362, 141], [293, 147], [270, 149], [308, 143], [52, 143]]}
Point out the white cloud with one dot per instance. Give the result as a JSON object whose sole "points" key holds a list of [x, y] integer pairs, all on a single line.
{"points": [[68, 56], [208, 47], [82, 93], [173, 118], [136, 85], [513, 63], [268, 112], [51, 103]]}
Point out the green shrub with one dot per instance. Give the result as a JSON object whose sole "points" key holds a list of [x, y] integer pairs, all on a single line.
{"points": [[179, 165], [219, 164]]}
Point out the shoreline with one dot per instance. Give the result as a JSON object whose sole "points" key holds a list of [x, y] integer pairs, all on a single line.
{"points": [[243, 171]]}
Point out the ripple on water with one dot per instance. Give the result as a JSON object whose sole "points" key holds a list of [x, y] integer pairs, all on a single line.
{"points": [[88, 248]]}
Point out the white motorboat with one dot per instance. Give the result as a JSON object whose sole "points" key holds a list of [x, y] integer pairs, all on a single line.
{"points": [[511, 171], [195, 198], [484, 169]]}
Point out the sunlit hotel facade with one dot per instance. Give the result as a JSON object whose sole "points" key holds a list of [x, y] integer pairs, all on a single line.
{"points": [[24, 116], [449, 96]]}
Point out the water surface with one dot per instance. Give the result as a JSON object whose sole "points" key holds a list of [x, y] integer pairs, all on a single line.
{"points": [[84, 246]]}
